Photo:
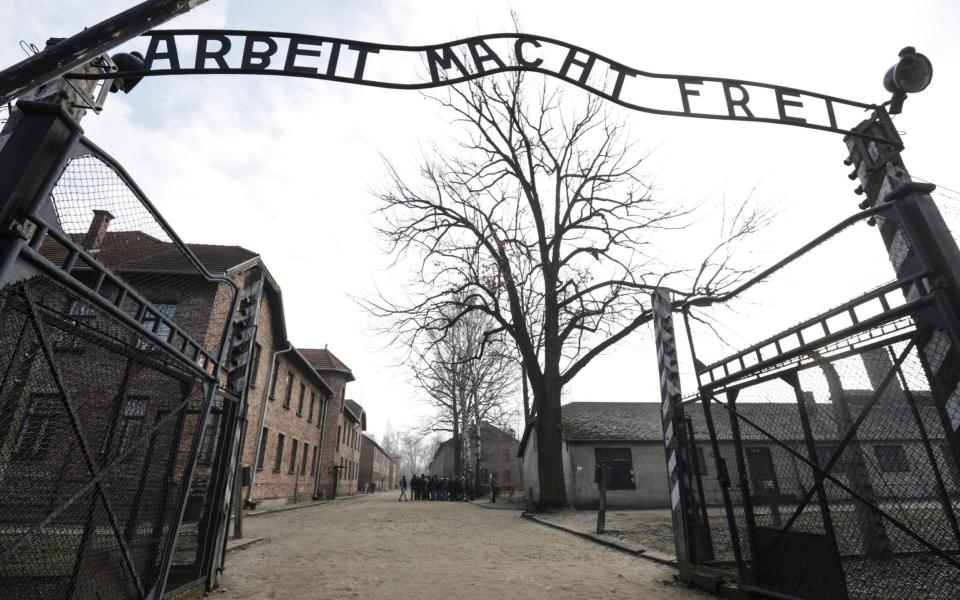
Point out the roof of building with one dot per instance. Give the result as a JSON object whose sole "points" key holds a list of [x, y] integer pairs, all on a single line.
{"points": [[643, 421], [485, 429], [368, 439], [611, 421], [325, 361], [356, 411], [143, 253], [306, 366], [440, 447]]}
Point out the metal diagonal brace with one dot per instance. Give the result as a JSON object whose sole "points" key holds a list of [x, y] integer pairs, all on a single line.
{"points": [[75, 422], [847, 438], [823, 473], [853, 494]]}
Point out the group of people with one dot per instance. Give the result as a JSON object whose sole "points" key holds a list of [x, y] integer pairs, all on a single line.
{"points": [[433, 487]]}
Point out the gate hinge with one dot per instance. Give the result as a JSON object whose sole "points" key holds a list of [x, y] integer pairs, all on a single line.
{"points": [[23, 229]]}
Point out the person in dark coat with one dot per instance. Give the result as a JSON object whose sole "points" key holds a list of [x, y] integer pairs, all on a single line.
{"points": [[403, 489]]}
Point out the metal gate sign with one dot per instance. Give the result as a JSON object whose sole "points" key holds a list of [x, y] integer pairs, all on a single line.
{"points": [[197, 51]]}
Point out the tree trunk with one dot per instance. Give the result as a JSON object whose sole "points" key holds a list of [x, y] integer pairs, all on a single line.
{"points": [[457, 451], [526, 394], [553, 492]]}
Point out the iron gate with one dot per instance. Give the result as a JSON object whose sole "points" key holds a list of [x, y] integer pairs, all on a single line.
{"points": [[834, 470], [112, 334]]}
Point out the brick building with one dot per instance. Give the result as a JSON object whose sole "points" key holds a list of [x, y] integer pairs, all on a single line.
{"points": [[353, 423], [376, 466], [498, 457], [395, 472], [334, 447], [188, 310], [167, 278], [442, 462], [284, 442], [295, 404]]}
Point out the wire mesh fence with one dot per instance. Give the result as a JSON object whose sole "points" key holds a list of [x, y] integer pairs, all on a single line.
{"points": [[832, 447], [851, 466], [98, 208], [111, 335], [96, 438]]}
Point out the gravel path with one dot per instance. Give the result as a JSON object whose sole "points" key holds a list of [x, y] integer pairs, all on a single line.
{"points": [[376, 547]]}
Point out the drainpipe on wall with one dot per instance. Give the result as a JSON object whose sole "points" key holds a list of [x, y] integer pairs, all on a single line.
{"points": [[263, 414], [316, 468]]}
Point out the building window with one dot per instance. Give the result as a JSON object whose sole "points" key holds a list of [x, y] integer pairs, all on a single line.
{"points": [[263, 449], [156, 324], [620, 461], [303, 391], [892, 459], [313, 403], [37, 430], [278, 460], [763, 471], [273, 384], [208, 445], [824, 453], [293, 456], [303, 461], [131, 421], [83, 314], [287, 395], [313, 464], [339, 437], [255, 363]]}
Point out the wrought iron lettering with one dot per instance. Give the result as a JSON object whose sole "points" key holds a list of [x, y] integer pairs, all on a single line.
{"points": [[185, 52]]}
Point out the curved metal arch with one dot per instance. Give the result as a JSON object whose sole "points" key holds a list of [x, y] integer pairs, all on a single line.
{"points": [[470, 72]]}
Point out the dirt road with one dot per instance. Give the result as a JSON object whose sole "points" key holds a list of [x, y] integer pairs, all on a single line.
{"points": [[375, 547]]}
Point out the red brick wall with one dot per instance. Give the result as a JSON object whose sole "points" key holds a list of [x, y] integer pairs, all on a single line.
{"points": [[375, 465], [349, 455], [271, 413], [329, 455]]}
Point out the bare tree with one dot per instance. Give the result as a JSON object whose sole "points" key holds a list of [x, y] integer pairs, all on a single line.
{"points": [[539, 221], [414, 451], [466, 377]]}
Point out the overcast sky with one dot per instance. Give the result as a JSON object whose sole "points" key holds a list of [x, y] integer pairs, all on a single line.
{"points": [[285, 167]]}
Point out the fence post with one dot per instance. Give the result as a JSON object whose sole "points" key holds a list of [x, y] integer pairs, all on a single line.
{"points": [[683, 498], [917, 239], [603, 476], [35, 144]]}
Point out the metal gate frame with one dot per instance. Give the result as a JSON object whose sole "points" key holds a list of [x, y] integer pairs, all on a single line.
{"points": [[31, 163], [925, 308]]}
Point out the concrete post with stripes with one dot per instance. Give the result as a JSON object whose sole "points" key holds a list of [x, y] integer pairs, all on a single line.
{"points": [[917, 239], [683, 498]]}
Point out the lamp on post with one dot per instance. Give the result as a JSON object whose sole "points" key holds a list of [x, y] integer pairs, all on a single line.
{"points": [[912, 74]]}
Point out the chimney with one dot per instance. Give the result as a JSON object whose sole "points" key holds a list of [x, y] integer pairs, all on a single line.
{"points": [[878, 363], [98, 230]]}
